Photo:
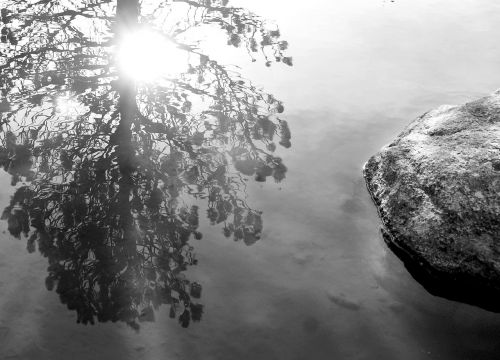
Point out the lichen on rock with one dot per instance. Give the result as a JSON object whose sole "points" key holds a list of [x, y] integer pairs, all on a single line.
{"points": [[437, 189]]}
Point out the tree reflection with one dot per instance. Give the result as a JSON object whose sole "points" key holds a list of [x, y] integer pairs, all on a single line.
{"points": [[116, 244], [109, 172]]}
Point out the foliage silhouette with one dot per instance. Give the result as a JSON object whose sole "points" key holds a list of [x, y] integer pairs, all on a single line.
{"points": [[111, 167]]}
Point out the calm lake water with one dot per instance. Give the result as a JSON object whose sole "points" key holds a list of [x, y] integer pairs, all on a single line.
{"points": [[320, 284]]}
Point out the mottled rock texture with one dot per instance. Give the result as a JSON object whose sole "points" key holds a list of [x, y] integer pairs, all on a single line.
{"points": [[437, 189]]}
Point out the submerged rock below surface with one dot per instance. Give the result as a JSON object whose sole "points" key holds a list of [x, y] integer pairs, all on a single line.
{"points": [[437, 189]]}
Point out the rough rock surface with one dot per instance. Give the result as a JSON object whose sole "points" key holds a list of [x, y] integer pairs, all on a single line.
{"points": [[437, 189]]}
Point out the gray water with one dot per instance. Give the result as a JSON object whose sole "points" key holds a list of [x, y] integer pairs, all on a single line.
{"points": [[320, 284]]}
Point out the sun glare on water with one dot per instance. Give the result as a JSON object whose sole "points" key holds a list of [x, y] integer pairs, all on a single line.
{"points": [[69, 107], [146, 55]]}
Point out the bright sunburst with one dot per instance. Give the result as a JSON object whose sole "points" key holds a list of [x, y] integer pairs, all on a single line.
{"points": [[146, 55]]}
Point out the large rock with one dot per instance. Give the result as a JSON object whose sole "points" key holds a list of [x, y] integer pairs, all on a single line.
{"points": [[437, 189]]}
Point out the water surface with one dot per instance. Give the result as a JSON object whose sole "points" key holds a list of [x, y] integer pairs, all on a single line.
{"points": [[320, 284]]}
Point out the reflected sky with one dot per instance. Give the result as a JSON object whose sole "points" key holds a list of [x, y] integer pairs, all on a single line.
{"points": [[320, 283]]}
